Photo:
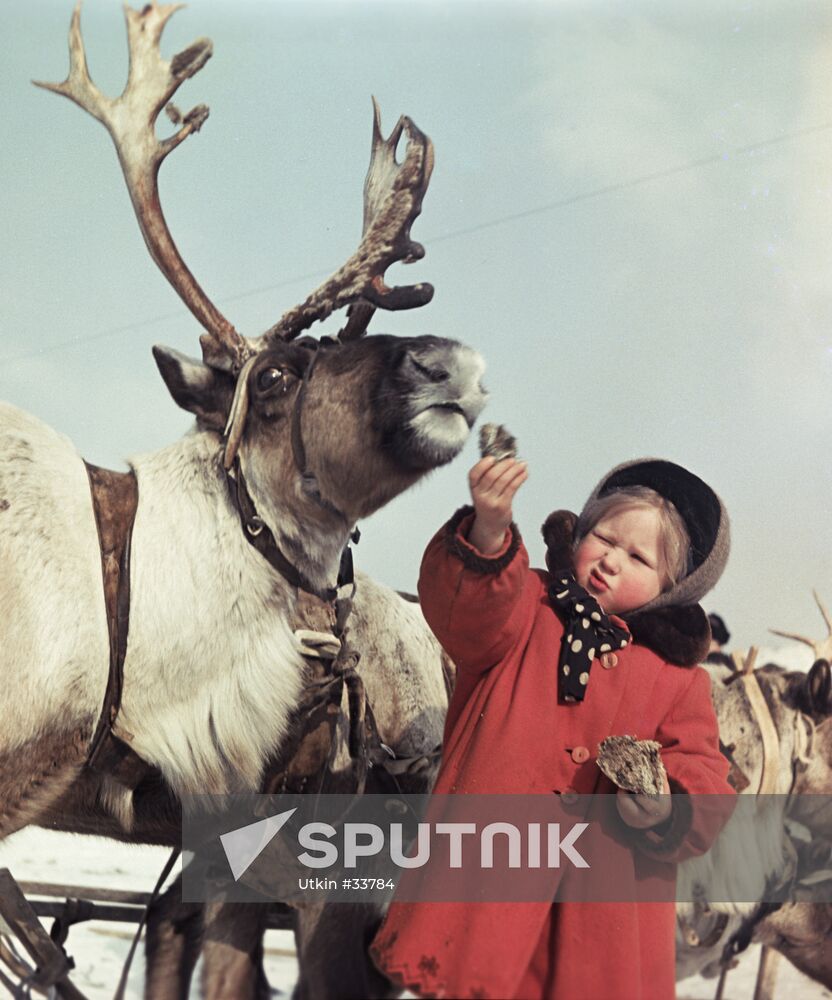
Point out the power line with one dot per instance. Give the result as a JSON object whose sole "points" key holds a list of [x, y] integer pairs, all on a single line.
{"points": [[632, 183], [574, 199]]}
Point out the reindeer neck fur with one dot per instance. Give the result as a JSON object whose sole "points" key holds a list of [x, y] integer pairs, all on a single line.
{"points": [[311, 536], [212, 669]]}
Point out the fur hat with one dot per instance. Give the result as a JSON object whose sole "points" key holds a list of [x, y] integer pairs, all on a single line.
{"points": [[673, 624], [701, 509]]}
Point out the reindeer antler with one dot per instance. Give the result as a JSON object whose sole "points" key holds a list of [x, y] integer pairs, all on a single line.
{"points": [[393, 194], [130, 119], [822, 648]]}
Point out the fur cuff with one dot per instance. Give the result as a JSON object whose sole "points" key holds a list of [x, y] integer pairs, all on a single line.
{"points": [[668, 837], [470, 557]]}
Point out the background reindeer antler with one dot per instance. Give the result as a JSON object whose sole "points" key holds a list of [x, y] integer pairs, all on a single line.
{"points": [[393, 192], [823, 647]]}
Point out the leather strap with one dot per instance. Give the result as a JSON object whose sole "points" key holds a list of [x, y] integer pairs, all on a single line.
{"points": [[309, 481], [304, 761], [259, 535], [762, 713], [154, 895], [114, 499]]}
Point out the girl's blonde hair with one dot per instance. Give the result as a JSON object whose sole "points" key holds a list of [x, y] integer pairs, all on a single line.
{"points": [[674, 542]]}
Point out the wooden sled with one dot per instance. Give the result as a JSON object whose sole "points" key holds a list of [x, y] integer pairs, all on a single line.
{"points": [[46, 966]]}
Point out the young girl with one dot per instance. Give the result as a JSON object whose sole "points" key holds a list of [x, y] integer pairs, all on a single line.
{"points": [[549, 664]]}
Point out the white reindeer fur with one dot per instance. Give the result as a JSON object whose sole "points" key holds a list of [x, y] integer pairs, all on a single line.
{"points": [[53, 644], [212, 668], [401, 665]]}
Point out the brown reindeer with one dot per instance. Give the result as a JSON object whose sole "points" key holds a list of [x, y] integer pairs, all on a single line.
{"points": [[295, 441]]}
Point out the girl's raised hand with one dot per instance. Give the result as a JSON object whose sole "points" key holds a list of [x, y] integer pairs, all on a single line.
{"points": [[493, 485]]}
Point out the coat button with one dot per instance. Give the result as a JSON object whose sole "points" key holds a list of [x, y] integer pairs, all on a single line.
{"points": [[609, 660], [569, 796], [580, 755]]}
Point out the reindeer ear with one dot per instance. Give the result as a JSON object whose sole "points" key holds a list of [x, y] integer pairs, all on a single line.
{"points": [[819, 687], [203, 391]]}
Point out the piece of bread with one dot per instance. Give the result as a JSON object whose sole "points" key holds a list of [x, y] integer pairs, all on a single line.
{"points": [[634, 765], [495, 440]]}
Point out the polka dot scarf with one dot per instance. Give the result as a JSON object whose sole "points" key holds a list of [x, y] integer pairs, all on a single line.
{"points": [[588, 633]]}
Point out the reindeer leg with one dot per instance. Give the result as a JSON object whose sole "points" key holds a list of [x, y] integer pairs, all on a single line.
{"points": [[174, 936], [800, 933], [333, 942], [232, 953]]}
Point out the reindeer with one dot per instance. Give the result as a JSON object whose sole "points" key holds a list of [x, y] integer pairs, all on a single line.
{"points": [[776, 726], [295, 441], [407, 676]]}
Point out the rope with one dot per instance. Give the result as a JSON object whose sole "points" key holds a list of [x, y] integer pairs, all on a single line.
{"points": [[125, 972]]}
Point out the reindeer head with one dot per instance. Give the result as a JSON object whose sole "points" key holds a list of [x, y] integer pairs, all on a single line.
{"points": [[814, 693], [333, 428], [369, 419]]}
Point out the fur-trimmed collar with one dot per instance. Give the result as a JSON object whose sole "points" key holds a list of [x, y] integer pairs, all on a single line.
{"points": [[679, 633]]}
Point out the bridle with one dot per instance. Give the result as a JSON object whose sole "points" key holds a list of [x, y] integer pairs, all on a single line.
{"points": [[309, 480], [255, 529]]}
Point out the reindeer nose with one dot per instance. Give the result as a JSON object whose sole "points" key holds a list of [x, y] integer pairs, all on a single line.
{"points": [[474, 399]]}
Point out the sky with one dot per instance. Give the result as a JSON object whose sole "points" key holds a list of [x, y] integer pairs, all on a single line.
{"points": [[630, 217]]}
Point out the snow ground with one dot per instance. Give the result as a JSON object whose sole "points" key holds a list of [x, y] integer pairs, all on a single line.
{"points": [[99, 948]]}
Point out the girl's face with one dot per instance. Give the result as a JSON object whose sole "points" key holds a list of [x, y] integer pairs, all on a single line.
{"points": [[618, 560]]}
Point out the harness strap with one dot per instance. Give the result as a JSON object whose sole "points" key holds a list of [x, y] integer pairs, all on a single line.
{"points": [[306, 756], [114, 499], [308, 479], [298, 449], [258, 534], [125, 972], [302, 761], [768, 730]]}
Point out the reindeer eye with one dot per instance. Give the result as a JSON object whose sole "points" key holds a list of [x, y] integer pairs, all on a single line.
{"points": [[268, 378], [433, 374]]}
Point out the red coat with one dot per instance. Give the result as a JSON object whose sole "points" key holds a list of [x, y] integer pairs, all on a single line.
{"points": [[506, 732]]}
